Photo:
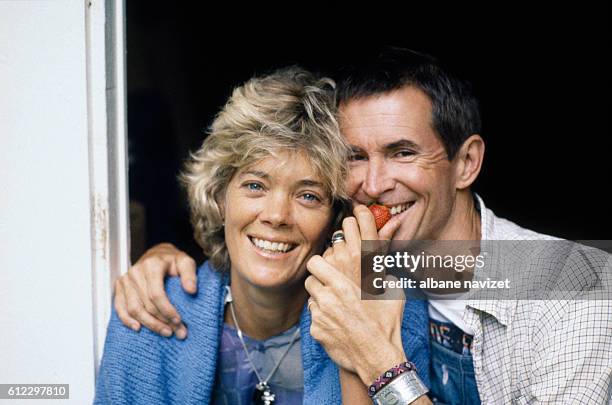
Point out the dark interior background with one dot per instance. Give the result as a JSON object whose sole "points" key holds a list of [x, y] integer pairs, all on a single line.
{"points": [[541, 73]]}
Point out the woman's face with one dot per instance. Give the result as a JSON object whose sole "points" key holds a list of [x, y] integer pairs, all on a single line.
{"points": [[277, 214]]}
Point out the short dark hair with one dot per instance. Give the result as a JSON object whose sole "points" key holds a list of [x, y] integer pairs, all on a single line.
{"points": [[455, 110]]}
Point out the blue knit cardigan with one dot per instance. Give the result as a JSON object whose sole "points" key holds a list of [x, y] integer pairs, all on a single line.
{"points": [[145, 368]]}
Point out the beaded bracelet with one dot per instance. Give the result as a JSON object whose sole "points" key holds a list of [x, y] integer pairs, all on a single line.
{"points": [[389, 375]]}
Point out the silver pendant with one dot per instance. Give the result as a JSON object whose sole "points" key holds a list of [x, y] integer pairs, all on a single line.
{"points": [[263, 394]]}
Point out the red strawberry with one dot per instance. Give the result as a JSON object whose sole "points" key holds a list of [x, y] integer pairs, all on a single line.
{"points": [[381, 214]]}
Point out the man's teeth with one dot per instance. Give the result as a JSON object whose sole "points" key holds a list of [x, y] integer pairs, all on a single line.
{"points": [[400, 208], [272, 246]]}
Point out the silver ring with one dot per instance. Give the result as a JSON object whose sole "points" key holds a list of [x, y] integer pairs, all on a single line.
{"points": [[338, 236], [310, 302]]}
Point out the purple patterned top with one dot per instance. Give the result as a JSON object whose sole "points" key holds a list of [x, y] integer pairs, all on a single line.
{"points": [[235, 381]]}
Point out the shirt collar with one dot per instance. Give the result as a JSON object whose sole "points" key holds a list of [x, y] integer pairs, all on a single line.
{"points": [[502, 310]]}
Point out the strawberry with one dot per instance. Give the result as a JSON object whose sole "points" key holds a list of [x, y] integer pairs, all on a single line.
{"points": [[381, 214]]}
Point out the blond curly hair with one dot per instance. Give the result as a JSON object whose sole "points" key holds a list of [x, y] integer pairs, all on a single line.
{"points": [[290, 110]]}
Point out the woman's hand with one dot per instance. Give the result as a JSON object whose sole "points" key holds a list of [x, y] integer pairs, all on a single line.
{"points": [[140, 295], [363, 336]]}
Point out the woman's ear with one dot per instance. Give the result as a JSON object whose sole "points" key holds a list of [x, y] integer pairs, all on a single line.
{"points": [[468, 161]]}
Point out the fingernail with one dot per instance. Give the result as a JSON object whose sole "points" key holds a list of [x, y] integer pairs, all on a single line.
{"points": [[166, 332], [181, 334], [135, 327], [191, 285], [176, 321]]}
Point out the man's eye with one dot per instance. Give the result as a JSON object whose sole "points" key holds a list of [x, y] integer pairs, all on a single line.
{"points": [[356, 157], [404, 153]]}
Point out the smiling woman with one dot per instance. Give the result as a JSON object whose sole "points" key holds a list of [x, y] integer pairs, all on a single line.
{"points": [[265, 190], [285, 113], [277, 213]]}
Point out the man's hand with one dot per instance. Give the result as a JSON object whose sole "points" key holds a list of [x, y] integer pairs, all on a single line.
{"points": [[140, 296], [363, 336]]}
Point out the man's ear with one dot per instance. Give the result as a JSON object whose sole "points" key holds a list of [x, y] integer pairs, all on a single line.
{"points": [[468, 161]]}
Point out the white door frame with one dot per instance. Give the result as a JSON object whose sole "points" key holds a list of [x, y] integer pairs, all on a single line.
{"points": [[107, 127]]}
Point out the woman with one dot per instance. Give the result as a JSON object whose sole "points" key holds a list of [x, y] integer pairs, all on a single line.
{"points": [[265, 190]]}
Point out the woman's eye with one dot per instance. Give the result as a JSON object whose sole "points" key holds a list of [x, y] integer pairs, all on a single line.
{"points": [[310, 197], [254, 186]]}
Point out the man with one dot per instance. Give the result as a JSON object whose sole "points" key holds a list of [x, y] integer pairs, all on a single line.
{"points": [[414, 130]]}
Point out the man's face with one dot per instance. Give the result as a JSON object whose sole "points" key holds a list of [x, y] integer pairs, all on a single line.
{"points": [[399, 161]]}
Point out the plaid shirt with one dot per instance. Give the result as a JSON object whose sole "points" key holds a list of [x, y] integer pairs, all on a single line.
{"points": [[546, 351]]}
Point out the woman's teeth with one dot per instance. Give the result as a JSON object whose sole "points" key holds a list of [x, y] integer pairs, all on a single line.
{"points": [[271, 246]]}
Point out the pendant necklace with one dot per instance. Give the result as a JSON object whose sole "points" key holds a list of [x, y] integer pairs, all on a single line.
{"points": [[263, 394]]}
